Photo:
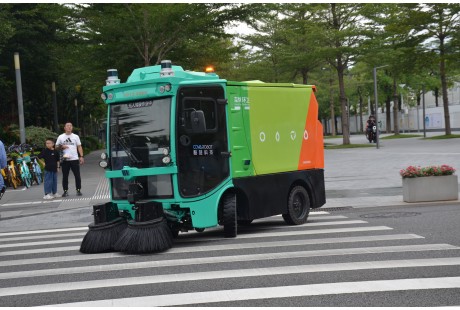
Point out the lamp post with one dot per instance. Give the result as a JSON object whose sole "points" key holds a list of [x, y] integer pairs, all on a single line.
{"points": [[376, 104], [17, 67]]}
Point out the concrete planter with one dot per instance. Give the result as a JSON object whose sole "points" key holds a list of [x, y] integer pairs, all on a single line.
{"points": [[434, 188]]}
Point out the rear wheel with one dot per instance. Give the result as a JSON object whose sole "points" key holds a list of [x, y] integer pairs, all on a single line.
{"points": [[298, 206], [39, 178], [229, 215]]}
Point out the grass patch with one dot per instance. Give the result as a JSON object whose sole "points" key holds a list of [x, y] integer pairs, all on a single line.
{"points": [[400, 136], [332, 137], [331, 146], [443, 137]]}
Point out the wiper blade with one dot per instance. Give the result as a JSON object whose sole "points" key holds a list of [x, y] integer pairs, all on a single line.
{"points": [[125, 148]]}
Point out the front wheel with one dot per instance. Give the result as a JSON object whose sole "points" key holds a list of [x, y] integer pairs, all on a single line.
{"points": [[229, 215], [298, 206]]}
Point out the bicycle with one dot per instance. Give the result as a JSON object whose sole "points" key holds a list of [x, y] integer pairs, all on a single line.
{"points": [[21, 162], [13, 174], [36, 170]]}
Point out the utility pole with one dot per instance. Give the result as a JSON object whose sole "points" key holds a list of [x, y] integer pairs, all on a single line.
{"points": [[17, 67]]}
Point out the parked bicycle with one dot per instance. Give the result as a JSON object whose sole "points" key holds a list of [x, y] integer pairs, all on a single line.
{"points": [[12, 174], [22, 161], [36, 170]]}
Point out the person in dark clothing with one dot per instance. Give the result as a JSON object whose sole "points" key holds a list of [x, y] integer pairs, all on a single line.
{"points": [[51, 157], [369, 124]]}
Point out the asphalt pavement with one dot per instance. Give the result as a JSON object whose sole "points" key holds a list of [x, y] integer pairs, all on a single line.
{"points": [[354, 177]]}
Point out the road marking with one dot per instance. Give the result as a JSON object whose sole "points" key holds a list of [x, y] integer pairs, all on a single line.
{"points": [[254, 293], [85, 228], [81, 234], [197, 260], [242, 234], [276, 292], [43, 231], [14, 245], [298, 232], [235, 246], [225, 246]]}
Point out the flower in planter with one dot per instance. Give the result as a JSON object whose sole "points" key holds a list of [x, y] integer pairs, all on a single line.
{"points": [[417, 171]]}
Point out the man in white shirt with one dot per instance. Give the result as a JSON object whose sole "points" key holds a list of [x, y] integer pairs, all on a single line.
{"points": [[70, 144]]}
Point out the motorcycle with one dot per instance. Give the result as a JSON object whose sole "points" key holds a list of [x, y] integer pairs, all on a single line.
{"points": [[371, 133]]}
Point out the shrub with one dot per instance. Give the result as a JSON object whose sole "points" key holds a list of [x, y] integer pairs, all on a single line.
{"points": [[417, 171]]}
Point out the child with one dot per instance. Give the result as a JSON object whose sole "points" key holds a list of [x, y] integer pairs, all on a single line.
{"points": [[52, 164]]}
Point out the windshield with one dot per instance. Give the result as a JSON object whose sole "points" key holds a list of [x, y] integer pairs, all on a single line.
{"points": [[139, 133]]}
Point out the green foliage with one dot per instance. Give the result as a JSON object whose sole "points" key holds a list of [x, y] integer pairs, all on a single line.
{"points": [[37, 135], [334, 46], [346, 146], [8, 134], [90, 143]]}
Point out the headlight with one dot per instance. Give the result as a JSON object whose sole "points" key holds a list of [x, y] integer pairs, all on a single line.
{"points": [[103, 164], [166, 160], [165, 151], [104, 156]]}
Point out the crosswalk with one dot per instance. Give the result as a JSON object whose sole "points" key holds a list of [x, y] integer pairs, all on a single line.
{"points": [[269, 263]]}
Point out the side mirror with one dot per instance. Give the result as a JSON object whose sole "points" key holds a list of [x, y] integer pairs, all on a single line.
{"points": [[198, 121]]}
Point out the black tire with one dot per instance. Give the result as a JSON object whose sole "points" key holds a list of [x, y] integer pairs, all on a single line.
{"points": [[229, 215], [200, 230], [298, 206]]}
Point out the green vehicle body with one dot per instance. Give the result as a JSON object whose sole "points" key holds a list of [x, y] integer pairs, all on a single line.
{"points": [[199, 137]]}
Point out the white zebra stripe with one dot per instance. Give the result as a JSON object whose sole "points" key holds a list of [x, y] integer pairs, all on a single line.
{"points": [[245, 294], [296, 231], [198, 260], [319, 231], [43, 231], [275, 292]]}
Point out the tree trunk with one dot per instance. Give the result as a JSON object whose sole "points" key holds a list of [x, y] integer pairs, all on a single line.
{"points": [[340, 69], [331, 102], [436, 96], [445, 98], [395, 108], [343, 103]]}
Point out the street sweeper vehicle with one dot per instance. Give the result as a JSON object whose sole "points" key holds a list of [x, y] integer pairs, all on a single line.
{"points": [[188, 151]]}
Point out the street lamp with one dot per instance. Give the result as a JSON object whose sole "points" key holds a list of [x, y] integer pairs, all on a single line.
{"points": [[376, 103], [17, 67]]}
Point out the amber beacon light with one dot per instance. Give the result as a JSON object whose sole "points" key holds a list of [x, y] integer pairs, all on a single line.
{"points": [[209, 69]]}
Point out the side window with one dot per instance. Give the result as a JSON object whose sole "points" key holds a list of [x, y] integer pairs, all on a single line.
{"points": [[199, 110]]}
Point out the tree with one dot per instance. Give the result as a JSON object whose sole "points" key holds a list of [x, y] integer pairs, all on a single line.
{"points": [[342, 35], [439, 23]]}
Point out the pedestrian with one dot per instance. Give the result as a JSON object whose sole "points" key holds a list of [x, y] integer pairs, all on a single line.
{"points": [[2, 165], [70, 144], [51, 157]]}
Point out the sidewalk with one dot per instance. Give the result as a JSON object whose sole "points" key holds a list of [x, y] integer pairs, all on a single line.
{"points": [[21, 202], [369, 177]]}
